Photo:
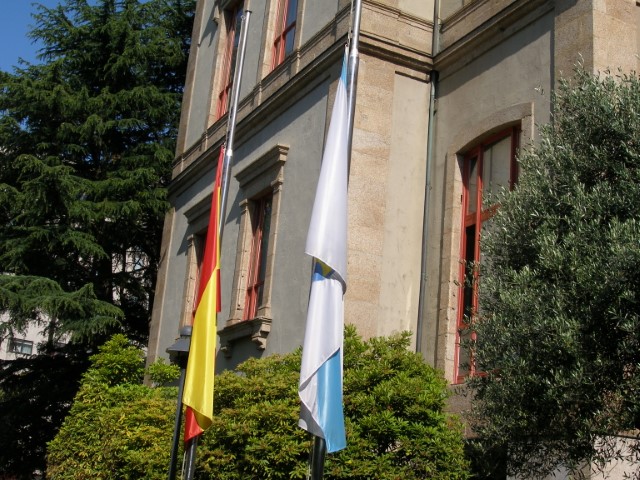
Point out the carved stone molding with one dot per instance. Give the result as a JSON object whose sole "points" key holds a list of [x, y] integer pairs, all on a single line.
{"points": [[257, 329]]}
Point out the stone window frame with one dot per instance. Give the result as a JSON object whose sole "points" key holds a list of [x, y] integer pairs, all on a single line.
{"points": [[260, 224], [282, 29], [195, 252], [262, 177], [197, 218]]}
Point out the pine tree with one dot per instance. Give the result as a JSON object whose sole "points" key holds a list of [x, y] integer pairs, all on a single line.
{"points": [[559, 327], [86, 144]]}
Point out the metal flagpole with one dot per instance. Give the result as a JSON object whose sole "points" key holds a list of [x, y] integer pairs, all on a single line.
{"points": [[317, 458], [190, 453], [176, 428], [189, 467], [231, 122], [352, 72], [316, 462]]}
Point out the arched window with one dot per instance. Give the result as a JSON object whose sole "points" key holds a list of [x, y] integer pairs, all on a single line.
{"points": [[488, 167]]}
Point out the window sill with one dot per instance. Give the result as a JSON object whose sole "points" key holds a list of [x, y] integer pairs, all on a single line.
{"points": [[257, 329]]}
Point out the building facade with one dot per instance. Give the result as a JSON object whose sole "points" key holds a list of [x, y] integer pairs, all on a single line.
{"points": [[444, 103]]}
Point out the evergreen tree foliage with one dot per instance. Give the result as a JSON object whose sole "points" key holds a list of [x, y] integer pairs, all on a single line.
{"points": [[86, 143], [559, 327], [394, 409]]}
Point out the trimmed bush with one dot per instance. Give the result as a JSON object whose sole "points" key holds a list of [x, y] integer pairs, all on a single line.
{"points": [[117, 428], [394, 409]]}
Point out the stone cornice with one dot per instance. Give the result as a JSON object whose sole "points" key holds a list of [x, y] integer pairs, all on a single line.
{"points": [[275, 158], [481, 25], [408, 44]]}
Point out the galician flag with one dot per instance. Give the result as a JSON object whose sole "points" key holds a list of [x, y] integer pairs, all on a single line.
{"points": [[198, 383], [321, 371]]}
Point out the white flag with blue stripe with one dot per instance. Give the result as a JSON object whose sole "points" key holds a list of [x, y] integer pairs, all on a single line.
{"points": [[320, 388]]}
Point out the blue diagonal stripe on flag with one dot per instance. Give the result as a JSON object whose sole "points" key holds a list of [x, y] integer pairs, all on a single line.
{"points": [[321, 372]]}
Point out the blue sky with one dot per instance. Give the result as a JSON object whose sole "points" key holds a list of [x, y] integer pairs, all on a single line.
{"points": [[15, 22]]}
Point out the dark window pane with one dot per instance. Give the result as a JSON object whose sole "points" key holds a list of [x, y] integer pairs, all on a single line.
{"points": [[288, 39], [292, 12]]}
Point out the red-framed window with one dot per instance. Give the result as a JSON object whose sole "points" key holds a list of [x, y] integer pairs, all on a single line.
{"points": [[234, 17], [486, 169], [285, 31], [260, 226]]}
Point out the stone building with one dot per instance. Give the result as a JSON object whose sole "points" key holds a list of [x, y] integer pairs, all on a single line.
{"points": [[439, 119]]}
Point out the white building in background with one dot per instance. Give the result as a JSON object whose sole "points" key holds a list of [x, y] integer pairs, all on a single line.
{"points": [[21, 344], [15, 344]]}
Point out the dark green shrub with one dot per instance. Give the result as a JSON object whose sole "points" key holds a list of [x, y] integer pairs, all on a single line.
{"points": [[394, 409], [394, 402]]}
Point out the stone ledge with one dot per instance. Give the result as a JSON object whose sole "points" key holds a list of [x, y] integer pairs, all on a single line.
{"points": [[257, 329]]}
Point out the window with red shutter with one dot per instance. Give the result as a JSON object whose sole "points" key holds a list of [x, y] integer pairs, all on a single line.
{"points": [[260, 226], [234, 21]]}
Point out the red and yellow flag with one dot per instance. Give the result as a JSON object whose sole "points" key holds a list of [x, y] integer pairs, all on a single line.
{"points": [[198, 384]]}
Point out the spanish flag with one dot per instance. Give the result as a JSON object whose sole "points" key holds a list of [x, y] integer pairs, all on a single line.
{"points": [[198, 384]]}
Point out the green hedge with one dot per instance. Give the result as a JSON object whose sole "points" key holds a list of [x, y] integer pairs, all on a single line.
{"points": [[394, 408]]}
